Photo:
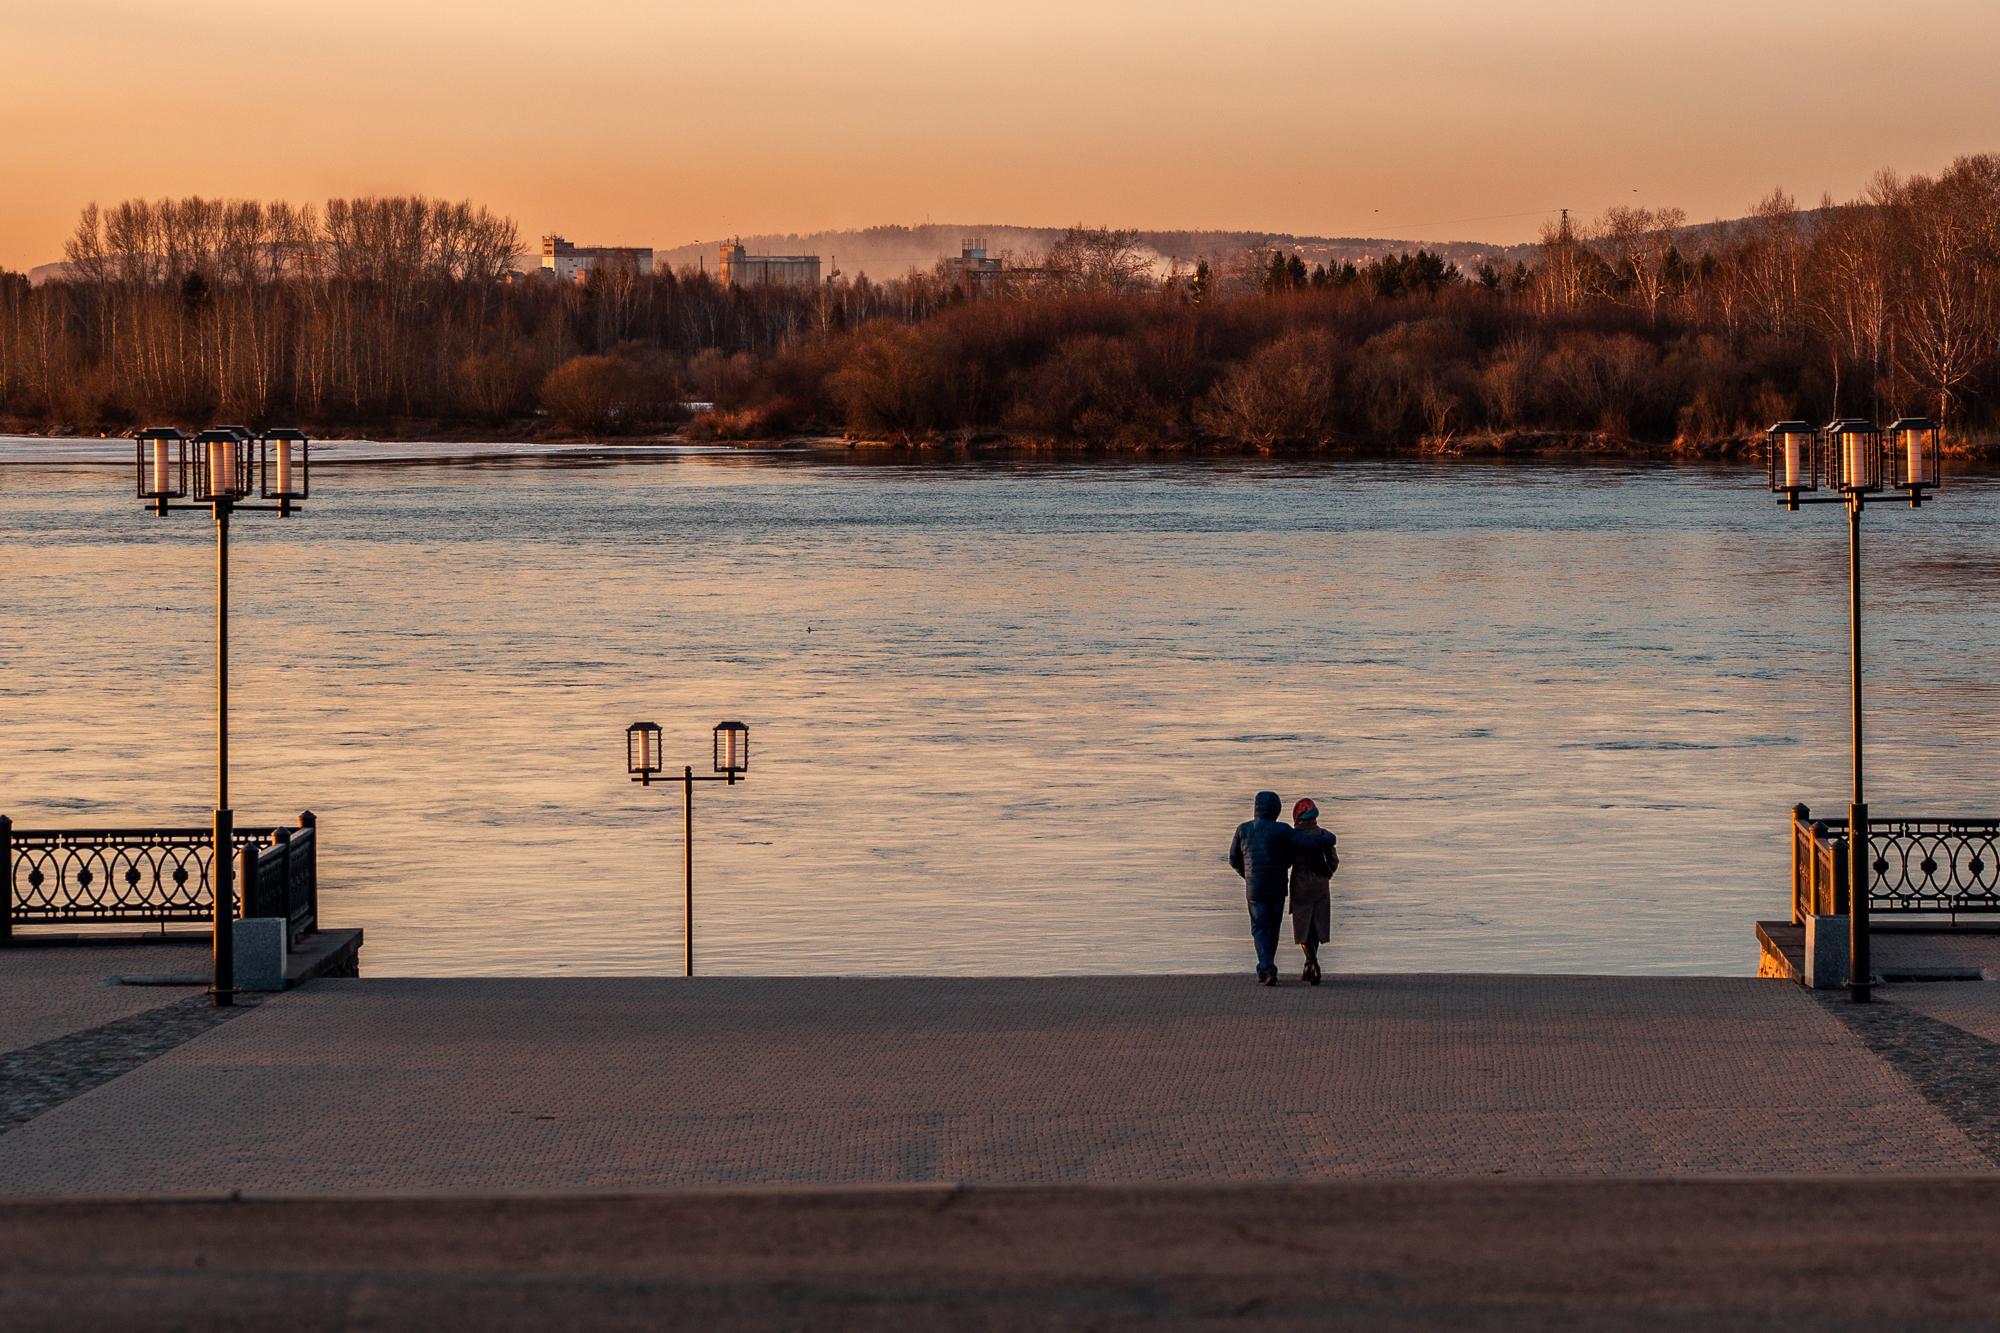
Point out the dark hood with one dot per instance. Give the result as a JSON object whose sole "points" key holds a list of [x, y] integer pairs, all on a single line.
{"points": [[1268, 805]]}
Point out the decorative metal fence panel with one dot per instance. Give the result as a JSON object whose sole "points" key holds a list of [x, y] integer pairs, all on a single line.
{"points": [[1915, 865], [1934, 865], [134, 876]]}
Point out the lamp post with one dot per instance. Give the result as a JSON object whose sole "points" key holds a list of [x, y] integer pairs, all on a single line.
{"points": [[1850, 456], [732, 762], [219, 470]]}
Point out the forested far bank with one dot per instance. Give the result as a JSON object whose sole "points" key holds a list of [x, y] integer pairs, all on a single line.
{"points": [[1632, 329]]}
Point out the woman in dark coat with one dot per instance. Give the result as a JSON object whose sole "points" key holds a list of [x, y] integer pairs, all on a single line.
{"points": [[1313, 862]]}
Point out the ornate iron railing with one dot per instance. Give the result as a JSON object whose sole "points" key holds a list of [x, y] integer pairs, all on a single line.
{"points": [[130, 876], [1819, 868], [1914, 865], [283, 878]]}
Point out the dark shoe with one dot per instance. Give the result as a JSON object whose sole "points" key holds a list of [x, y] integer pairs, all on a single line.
{"points": [[1270, 978], [1312, 973]]}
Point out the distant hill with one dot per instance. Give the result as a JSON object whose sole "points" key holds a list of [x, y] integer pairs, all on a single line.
{"points": [[891, 251]]}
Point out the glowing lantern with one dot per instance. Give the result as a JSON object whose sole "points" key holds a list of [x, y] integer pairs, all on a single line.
{"points": [[1854, 455], [1794, 458], [642, 751], [732, 749], [162, 453]]}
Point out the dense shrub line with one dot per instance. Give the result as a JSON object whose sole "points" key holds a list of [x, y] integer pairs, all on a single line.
{"points": [[1634, 329]]}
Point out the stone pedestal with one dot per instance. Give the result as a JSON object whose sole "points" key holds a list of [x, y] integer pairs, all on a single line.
{"points": [[260, 953], [1826, 952]]}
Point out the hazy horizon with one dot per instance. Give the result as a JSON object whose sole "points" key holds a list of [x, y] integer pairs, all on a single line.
{"points": [[664, 126]]}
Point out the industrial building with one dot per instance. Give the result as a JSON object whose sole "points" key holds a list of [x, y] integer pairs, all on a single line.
{"points": [[742, 269], [976, 271], [569, 262]]}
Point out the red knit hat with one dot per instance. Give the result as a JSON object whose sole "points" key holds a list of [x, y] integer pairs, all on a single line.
{"points": [[1304, 810]]}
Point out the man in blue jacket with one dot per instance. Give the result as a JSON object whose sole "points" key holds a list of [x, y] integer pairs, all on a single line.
{"points": [[1261, 852]]}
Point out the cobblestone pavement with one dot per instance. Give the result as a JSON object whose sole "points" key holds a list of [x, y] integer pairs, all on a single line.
{"points": [[55, 989], [1973, 1006], [613, 1084], [36, 1079], [1935, 1041]]}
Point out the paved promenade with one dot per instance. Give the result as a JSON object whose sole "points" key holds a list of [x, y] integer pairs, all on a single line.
{"points": [[499, 1086], [50, 992]]}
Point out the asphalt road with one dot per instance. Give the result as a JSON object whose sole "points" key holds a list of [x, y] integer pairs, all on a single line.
{"points": [[1876, 1254]]}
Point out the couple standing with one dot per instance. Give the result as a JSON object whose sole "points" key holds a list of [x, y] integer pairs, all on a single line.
{"points": [[1273, 856]]}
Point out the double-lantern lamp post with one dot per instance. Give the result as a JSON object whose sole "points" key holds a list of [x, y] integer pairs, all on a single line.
{"points": [[1854, 461], [732, 763], [220, 470]]}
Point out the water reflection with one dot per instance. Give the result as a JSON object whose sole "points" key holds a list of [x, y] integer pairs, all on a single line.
{"points": [[1006, 713]]}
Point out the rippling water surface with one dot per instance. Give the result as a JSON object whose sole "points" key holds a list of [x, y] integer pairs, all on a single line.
{"points": [[1005, 715]]}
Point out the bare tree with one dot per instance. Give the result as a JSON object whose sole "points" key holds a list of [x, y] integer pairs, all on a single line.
{"points": [[1564, 277], [1770, 262], [1847, 292], [1638, 245], [1098, 260], [1944, 298]]}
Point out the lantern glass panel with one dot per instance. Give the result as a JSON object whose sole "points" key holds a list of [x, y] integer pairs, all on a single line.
{"points": [[1856, 456], [732, 748], [222, 467]]}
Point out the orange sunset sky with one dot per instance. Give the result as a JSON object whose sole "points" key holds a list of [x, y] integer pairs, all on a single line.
{"points": [[617, 121]]}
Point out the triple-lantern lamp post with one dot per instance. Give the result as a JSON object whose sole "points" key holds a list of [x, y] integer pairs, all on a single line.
{"points": [[223, 470], [1854, 461], [732, 764]]}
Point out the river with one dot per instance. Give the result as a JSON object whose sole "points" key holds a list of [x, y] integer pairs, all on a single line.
{"points": [[1004, 714]]}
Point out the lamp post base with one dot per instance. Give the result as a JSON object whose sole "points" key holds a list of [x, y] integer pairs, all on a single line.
{"points": [[687, 872], [222, 991], [1860, 968]]}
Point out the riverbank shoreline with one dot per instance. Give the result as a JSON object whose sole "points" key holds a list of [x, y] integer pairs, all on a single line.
{"points": [[1552, 446]]}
